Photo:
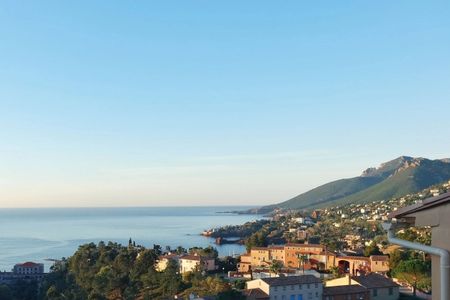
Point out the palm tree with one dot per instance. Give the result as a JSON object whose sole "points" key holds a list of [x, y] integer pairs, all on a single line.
{"points": [[275, 267], [302, 258]]}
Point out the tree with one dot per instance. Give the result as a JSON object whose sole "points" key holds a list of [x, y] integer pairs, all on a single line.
{"points": [[335, 271], [208, 286], [209, 251], [170, 283], [257, 239], [157, 249], [302, 259], [373, 249], [275, 267], [5, 293], [395, 257], [414, 271]]}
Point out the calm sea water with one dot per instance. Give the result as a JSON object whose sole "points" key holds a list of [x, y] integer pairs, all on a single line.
{"points": [[42, 233]]}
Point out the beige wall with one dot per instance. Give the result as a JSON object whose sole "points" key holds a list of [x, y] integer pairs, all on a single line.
{"points": [[245, 263], [292, 251], [379, 266], [341, 281], [260, 257], [277, 254], [258, 284], [188, 265]]}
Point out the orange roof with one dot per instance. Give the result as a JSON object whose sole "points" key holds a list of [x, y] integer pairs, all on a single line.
{"points": [[276, 247], [260, 248], [195, 257], [305, 245], [379, 257], [354, 258], [28, 264]]}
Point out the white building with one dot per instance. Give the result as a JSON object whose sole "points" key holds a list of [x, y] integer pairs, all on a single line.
{"points": [[28, 268], [187, 263], [190, 263]]}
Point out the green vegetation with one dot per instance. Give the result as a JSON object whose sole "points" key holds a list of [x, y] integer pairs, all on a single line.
{"points": [[21, 290], [112, 271], [415, 272], [275, 267], [242, 231], [396, 178], [328, 192]]}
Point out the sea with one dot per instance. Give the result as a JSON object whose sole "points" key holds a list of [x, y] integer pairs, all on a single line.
{"points": [[46, 234]]}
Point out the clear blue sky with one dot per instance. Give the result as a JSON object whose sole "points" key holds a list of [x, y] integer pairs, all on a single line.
{"points": [[107, 103]]}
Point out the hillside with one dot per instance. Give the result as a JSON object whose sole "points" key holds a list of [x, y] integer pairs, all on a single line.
{"points": [[398, 177]]}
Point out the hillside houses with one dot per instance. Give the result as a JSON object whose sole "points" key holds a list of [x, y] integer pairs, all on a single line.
{"points": [[310, 256]]}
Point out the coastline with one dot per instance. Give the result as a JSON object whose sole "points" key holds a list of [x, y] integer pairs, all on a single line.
{"points": [[38, 234]]}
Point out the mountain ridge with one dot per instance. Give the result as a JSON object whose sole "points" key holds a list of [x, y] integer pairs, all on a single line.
{"points": [[394, 178]]}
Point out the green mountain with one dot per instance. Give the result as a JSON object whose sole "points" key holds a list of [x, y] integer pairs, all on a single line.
{"points": [[395, 178]]}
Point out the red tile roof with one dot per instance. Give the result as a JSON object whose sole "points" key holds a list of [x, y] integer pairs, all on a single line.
{"points": [[305, 245], [28, 264], [256, 294]]}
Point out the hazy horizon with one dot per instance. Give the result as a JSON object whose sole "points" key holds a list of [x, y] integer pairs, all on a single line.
{"points": [[206, 103]]}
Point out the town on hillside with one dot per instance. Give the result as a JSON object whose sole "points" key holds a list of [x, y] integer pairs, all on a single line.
{"points": [[329, 254]]}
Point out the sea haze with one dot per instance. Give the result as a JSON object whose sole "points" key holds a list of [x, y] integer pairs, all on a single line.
{"points": [[35, 234]]}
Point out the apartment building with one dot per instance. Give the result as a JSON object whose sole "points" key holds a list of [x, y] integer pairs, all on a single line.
{"points": [[304, 287]]}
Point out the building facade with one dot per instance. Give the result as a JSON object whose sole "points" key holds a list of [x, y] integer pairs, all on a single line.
{"points": [[187, 263], [311, 256], [28, 268], [304, 287], [379, 287]]}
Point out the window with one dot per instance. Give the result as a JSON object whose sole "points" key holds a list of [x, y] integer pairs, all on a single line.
{"points": [[299, 286], [283, 297], [300, 297], [308, 286], [375, 292], [316, 285], [275, 288], [284, 288], [391, 290], [292, 297], [292, 287]]}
